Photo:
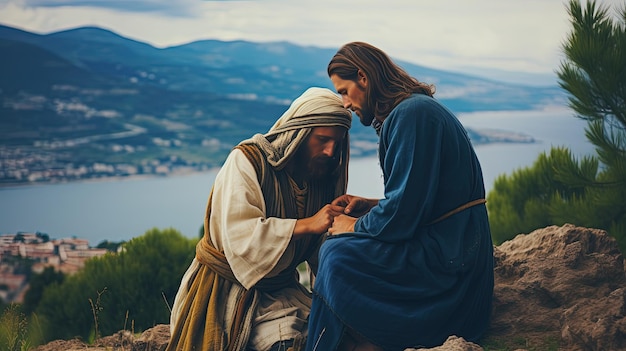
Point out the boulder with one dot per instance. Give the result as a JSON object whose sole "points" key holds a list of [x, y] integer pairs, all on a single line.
{"points": [[561, 286]]}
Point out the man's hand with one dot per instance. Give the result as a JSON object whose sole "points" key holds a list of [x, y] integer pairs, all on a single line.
{"points": [[342, 224], [355, 206], [319, 222]]}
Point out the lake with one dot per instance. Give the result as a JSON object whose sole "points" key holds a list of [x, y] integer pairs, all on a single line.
{"points": [[123, 209]]}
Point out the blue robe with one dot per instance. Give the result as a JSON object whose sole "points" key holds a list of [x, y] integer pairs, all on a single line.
{"points": [[400, 281]]}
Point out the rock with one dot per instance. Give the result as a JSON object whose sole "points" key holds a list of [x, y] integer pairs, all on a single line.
{"points": [[454, 343], [123, 339], [559, 287], [66, 345], [155, 339]]}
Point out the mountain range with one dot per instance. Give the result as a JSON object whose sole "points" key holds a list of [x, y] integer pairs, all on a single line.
{"points": [[88, 102]]}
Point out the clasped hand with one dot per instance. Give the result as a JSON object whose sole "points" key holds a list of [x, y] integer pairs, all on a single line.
{"points": [[353, 207], [337, 217]]}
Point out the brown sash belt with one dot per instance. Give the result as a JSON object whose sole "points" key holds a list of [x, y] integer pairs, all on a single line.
{"points": [[459, 209]]}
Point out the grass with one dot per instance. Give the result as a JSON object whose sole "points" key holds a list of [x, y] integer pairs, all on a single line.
{"points": [[16, 333], [19, 333], [95, 310]]}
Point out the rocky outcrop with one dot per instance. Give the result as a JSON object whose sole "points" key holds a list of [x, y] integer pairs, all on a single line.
{"points": [[559, 287], [562, 286]]}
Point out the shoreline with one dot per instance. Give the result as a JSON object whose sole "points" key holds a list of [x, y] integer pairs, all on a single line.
{"points": [[494, 136], [117, 178]]}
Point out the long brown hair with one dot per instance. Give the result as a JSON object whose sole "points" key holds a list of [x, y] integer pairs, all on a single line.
{"points": [[389, 84]]}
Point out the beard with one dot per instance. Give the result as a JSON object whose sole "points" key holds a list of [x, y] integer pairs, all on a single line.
{"points": [[322, 167], [366, 115], [366, 118], [365, 109]]}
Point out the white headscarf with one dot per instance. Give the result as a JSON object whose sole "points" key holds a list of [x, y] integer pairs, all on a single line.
{"points": [[316, 107]]}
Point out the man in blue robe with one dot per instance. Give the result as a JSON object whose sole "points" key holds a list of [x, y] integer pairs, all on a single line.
{"points": [[415, 267]]}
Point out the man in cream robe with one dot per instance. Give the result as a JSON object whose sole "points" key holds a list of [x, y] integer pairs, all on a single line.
{"points": [[268, 210]]}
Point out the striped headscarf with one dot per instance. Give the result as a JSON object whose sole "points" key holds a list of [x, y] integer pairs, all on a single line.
{"points": [[316, 107]]}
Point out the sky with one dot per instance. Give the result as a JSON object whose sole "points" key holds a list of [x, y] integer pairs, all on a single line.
{"points": [[514, 40]]}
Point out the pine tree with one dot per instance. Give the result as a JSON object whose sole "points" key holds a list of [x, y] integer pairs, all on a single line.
{"points": [[594, 76], [559, 188]]}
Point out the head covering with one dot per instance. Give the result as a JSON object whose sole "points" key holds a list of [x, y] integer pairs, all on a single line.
{"points": [[316, 107]]}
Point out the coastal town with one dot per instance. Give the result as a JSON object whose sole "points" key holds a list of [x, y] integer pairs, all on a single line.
{"points": [[35, 165], [24, 166], [38, 251]]}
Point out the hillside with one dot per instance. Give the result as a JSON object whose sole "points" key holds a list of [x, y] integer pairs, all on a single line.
{"points": [[87, 102], [556, 288]]}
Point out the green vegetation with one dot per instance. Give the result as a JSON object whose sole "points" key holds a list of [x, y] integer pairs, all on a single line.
{"points": [[134, 287], [16, 332], [559, 188], [38, 283]]}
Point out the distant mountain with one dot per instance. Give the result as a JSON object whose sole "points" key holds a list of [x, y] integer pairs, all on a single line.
{"points": [[88, 101], [24, 66], [276, 71]]}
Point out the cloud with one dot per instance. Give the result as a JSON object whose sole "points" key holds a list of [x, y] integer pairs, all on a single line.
{"points": [[172, 8]]}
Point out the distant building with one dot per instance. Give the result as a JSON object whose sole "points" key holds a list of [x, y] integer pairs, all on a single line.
{"points": [[66, 255]]}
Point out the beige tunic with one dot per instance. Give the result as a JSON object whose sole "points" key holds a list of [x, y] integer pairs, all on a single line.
{"points": [[255, 247]]}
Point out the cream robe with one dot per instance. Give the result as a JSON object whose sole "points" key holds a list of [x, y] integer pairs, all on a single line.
{"points": [[255, 247]]}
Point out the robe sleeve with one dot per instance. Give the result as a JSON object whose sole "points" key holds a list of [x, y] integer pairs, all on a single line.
{"points": [[255, 246], [411, 144]]}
